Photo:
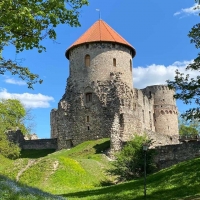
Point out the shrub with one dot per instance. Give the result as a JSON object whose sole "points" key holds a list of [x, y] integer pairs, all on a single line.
{"points": [[7, 148], [129, 163]]}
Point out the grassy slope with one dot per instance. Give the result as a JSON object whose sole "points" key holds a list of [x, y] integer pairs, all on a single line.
{"points": [[82, 168], [68, 170], [181, 181]]}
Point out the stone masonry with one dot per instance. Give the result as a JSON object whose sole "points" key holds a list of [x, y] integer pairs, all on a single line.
{"points": [[100, 100]]}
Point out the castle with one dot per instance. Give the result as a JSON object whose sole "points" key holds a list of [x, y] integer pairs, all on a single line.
{"points": [[100, 100]]}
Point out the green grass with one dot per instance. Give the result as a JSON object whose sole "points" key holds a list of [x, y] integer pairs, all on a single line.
{"points": [[79, 173], [82, 167], [11, 190], [32, 153], [181, 181]]}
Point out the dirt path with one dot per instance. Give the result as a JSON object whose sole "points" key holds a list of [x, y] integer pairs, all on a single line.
{"points": [[30, 163]]}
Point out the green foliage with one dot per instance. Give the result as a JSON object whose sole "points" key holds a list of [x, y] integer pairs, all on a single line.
{"points": [[82, 167], [13, 114], [7, 148], [129, 162], [188, 128], [188, 89], [26, 23]]}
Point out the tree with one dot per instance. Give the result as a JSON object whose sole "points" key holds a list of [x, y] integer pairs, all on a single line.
{"points": [[129, 163], [13, 115], [188, 89], [188, 128], [26, 23]]}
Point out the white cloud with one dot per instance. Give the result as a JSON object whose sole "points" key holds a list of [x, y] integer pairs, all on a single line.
{"points": [[158, 74], [15, 82], [29, 100], [188, 11]]}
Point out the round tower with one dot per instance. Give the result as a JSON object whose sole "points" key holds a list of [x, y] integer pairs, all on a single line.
{"points": [[165, 110], [97, 53]]}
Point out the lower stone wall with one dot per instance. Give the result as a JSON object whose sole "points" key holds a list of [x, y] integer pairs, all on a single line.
{"points": [[40, 144], [169, 155]]}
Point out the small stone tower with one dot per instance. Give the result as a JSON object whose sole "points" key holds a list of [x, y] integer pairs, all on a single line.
{"points": [[100, 100], [165, 110]]}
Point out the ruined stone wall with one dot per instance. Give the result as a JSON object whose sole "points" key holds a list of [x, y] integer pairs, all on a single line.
{"points": [[115, 109], [145, 110], [80, 120], [40, 144], [169, 155], [17, 137], [53, 123]]}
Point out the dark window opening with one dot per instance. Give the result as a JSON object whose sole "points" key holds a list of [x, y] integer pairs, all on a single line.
{"points": [[88, 119], [113, 45], [87, 60], [114, 62], [88, 98], [150, 94], [87, 46], [121, 120], [130, 65], [88, 128]]}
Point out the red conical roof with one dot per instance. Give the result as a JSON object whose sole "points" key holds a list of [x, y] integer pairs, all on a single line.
{"points": [[100, 31]]}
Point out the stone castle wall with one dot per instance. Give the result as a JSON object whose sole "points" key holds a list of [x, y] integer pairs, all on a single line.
{"points": [[17, 137], [169, 155], [115, 109]]}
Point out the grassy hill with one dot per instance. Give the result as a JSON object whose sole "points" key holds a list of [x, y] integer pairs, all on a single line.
{"points": [[79, 173], [181, 181], [82, 167]]}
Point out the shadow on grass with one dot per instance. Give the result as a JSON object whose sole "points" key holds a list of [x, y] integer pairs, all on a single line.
{"points": [[32, 153], [100, 148], [129, 192], [180, 182], [13, 190]]}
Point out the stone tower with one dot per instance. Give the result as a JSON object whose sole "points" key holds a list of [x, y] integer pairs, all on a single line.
{"points": [[165, 110], [100, 100]]}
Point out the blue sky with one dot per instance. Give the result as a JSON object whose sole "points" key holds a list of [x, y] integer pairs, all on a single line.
{"points": [[157, 30]]}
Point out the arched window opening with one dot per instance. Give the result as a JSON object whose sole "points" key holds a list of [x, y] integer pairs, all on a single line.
{"points": [[114, 62], [88, 128], [130, 65], [87, 60], [88, 97]]}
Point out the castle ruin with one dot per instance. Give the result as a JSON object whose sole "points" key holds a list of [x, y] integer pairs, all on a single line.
{"points": [[100, 100]]}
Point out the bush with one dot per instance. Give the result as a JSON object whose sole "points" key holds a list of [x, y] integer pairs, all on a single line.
{"points": [[7, 148], [129, 163]]}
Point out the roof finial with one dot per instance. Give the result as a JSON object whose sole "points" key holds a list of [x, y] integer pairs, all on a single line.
{"points": [[99, 13]]}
